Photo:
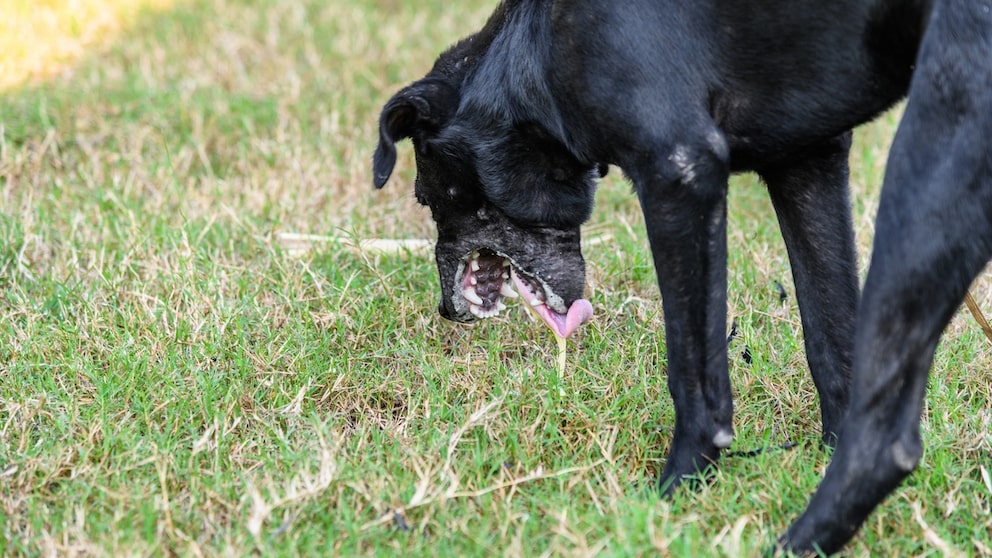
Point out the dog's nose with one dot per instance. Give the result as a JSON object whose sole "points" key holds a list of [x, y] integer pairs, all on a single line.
{"points": [[444, 311]]}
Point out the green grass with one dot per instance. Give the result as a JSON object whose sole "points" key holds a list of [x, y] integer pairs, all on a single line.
{"points": [[175, 380]]}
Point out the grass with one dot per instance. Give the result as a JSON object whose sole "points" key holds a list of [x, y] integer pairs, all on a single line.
{"points": [[175, 380]]}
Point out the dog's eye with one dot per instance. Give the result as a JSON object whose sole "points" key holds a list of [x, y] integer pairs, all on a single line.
{"points": [[418, 191]]}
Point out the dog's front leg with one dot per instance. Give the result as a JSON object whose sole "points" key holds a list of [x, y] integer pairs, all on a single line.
{"points": [[810, 193], [933, 235], [683, 196]]}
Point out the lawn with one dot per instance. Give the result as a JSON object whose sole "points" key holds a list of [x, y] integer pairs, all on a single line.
{"points": [[183, 373]]}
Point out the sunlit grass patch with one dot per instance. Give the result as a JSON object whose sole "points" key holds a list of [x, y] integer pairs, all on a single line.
{"points": [[41, 38]]}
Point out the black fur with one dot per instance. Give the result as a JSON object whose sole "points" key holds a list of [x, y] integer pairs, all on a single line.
{"points": [[513, 124]]}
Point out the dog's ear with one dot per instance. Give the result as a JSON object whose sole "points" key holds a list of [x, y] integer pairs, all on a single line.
{"points": [[418, 110]]}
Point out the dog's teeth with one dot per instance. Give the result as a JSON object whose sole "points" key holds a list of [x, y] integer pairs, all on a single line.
{"points": [[477, 311], [475, 265], [506, 263], [500, 307], [483, 313], [472, 296], [473, 280], [507, 291], [536, 302]]}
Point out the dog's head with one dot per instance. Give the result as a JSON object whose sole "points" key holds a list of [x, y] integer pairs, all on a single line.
{"points": [[507, 198]]}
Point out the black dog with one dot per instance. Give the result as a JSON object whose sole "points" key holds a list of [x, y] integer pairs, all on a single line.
{"points": [[513, 125]]}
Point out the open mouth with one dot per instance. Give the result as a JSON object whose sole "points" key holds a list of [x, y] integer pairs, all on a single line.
{"points": [[488, 279]]}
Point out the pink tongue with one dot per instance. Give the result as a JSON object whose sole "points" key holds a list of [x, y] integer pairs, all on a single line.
{"points": [[579, 313], [562, 325]]}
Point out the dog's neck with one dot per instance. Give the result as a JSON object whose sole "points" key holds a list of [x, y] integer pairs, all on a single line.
{"points": [[464, 55]]}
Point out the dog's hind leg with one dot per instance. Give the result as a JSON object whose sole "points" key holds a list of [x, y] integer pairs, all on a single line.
{"points": [[811, 200], [933, 236], [682, 188]]}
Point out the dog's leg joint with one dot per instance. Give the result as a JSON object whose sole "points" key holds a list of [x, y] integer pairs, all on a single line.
{"points": [[723, 438], [906, 454], [695, 162]]}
